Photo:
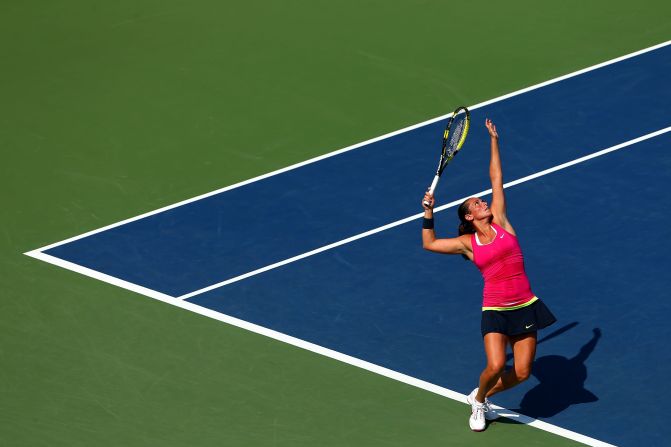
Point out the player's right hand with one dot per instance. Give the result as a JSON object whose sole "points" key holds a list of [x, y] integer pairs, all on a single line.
{"points": [[428, 198]]}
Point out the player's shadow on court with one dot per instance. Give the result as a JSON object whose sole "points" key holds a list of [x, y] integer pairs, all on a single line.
{"points": [[562, 383]]}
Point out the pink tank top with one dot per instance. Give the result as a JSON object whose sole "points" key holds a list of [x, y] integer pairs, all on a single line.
{"points": [[502, 266]]}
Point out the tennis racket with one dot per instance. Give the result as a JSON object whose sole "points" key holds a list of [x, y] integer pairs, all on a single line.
{"points": [[453, 140]]}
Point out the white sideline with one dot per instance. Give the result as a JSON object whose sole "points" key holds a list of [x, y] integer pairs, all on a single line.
{"points": [[355, 146]]}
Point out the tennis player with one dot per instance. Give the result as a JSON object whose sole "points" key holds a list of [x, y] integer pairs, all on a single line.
{"points": [[511, 313]]}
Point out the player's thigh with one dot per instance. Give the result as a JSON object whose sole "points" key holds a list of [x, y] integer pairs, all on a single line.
{"points": [[524, 352], [495, 350]]}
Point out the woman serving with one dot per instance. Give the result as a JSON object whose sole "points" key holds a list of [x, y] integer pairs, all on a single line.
{"points": [[511, 313]]}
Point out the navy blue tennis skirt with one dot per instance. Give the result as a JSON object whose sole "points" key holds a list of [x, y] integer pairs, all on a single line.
{"points": [[519, 321]]}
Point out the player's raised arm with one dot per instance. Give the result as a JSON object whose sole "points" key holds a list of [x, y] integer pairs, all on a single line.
{"points": [[450, 246], [498, 205]]}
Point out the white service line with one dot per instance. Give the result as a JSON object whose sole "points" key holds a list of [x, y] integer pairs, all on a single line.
{"points": [[417, 216], [355, 146]]}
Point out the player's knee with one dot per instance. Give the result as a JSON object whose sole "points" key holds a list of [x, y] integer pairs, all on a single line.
{"points": [[523, 373], [496, 368]]}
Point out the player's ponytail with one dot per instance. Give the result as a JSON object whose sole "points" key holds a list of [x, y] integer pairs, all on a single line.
{"points": [[465, 226]]}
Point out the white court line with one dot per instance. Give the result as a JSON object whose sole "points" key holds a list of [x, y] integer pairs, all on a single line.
{"points": [[100, 276], [355, 146], [417, 216], [339, 356]]}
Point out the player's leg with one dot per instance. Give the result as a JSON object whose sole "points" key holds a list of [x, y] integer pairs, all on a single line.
{"points": [[524, 352], [495, 350]]}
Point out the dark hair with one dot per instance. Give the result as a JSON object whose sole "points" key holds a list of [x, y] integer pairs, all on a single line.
{"points": [[465, 226]]}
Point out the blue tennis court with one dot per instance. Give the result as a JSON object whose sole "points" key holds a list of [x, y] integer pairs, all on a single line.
{"points": [[595, 237]]}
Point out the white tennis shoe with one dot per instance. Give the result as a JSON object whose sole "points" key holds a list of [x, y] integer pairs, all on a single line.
{"points": [[489, 414], [477, 420]]}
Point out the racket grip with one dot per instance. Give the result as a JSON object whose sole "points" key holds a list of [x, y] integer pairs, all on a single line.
{"points": [[432, 188]]}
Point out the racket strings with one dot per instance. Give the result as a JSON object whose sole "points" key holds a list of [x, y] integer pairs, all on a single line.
{"points": [[456, 132], [454, 137]]}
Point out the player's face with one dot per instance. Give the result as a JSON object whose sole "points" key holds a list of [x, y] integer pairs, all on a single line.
{"points": [[479, 209]]}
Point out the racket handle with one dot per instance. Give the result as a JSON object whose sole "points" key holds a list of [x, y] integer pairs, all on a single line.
{"points": [[432, 188]]}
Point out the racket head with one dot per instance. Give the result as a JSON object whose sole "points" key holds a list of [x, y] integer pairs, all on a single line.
{"points": [[454, 135]]}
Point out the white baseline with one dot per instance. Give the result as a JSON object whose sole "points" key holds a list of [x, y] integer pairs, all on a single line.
{"points": [[413, 381]]}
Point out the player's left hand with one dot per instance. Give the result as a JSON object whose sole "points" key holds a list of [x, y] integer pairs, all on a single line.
{"points": [[491, 128]]}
